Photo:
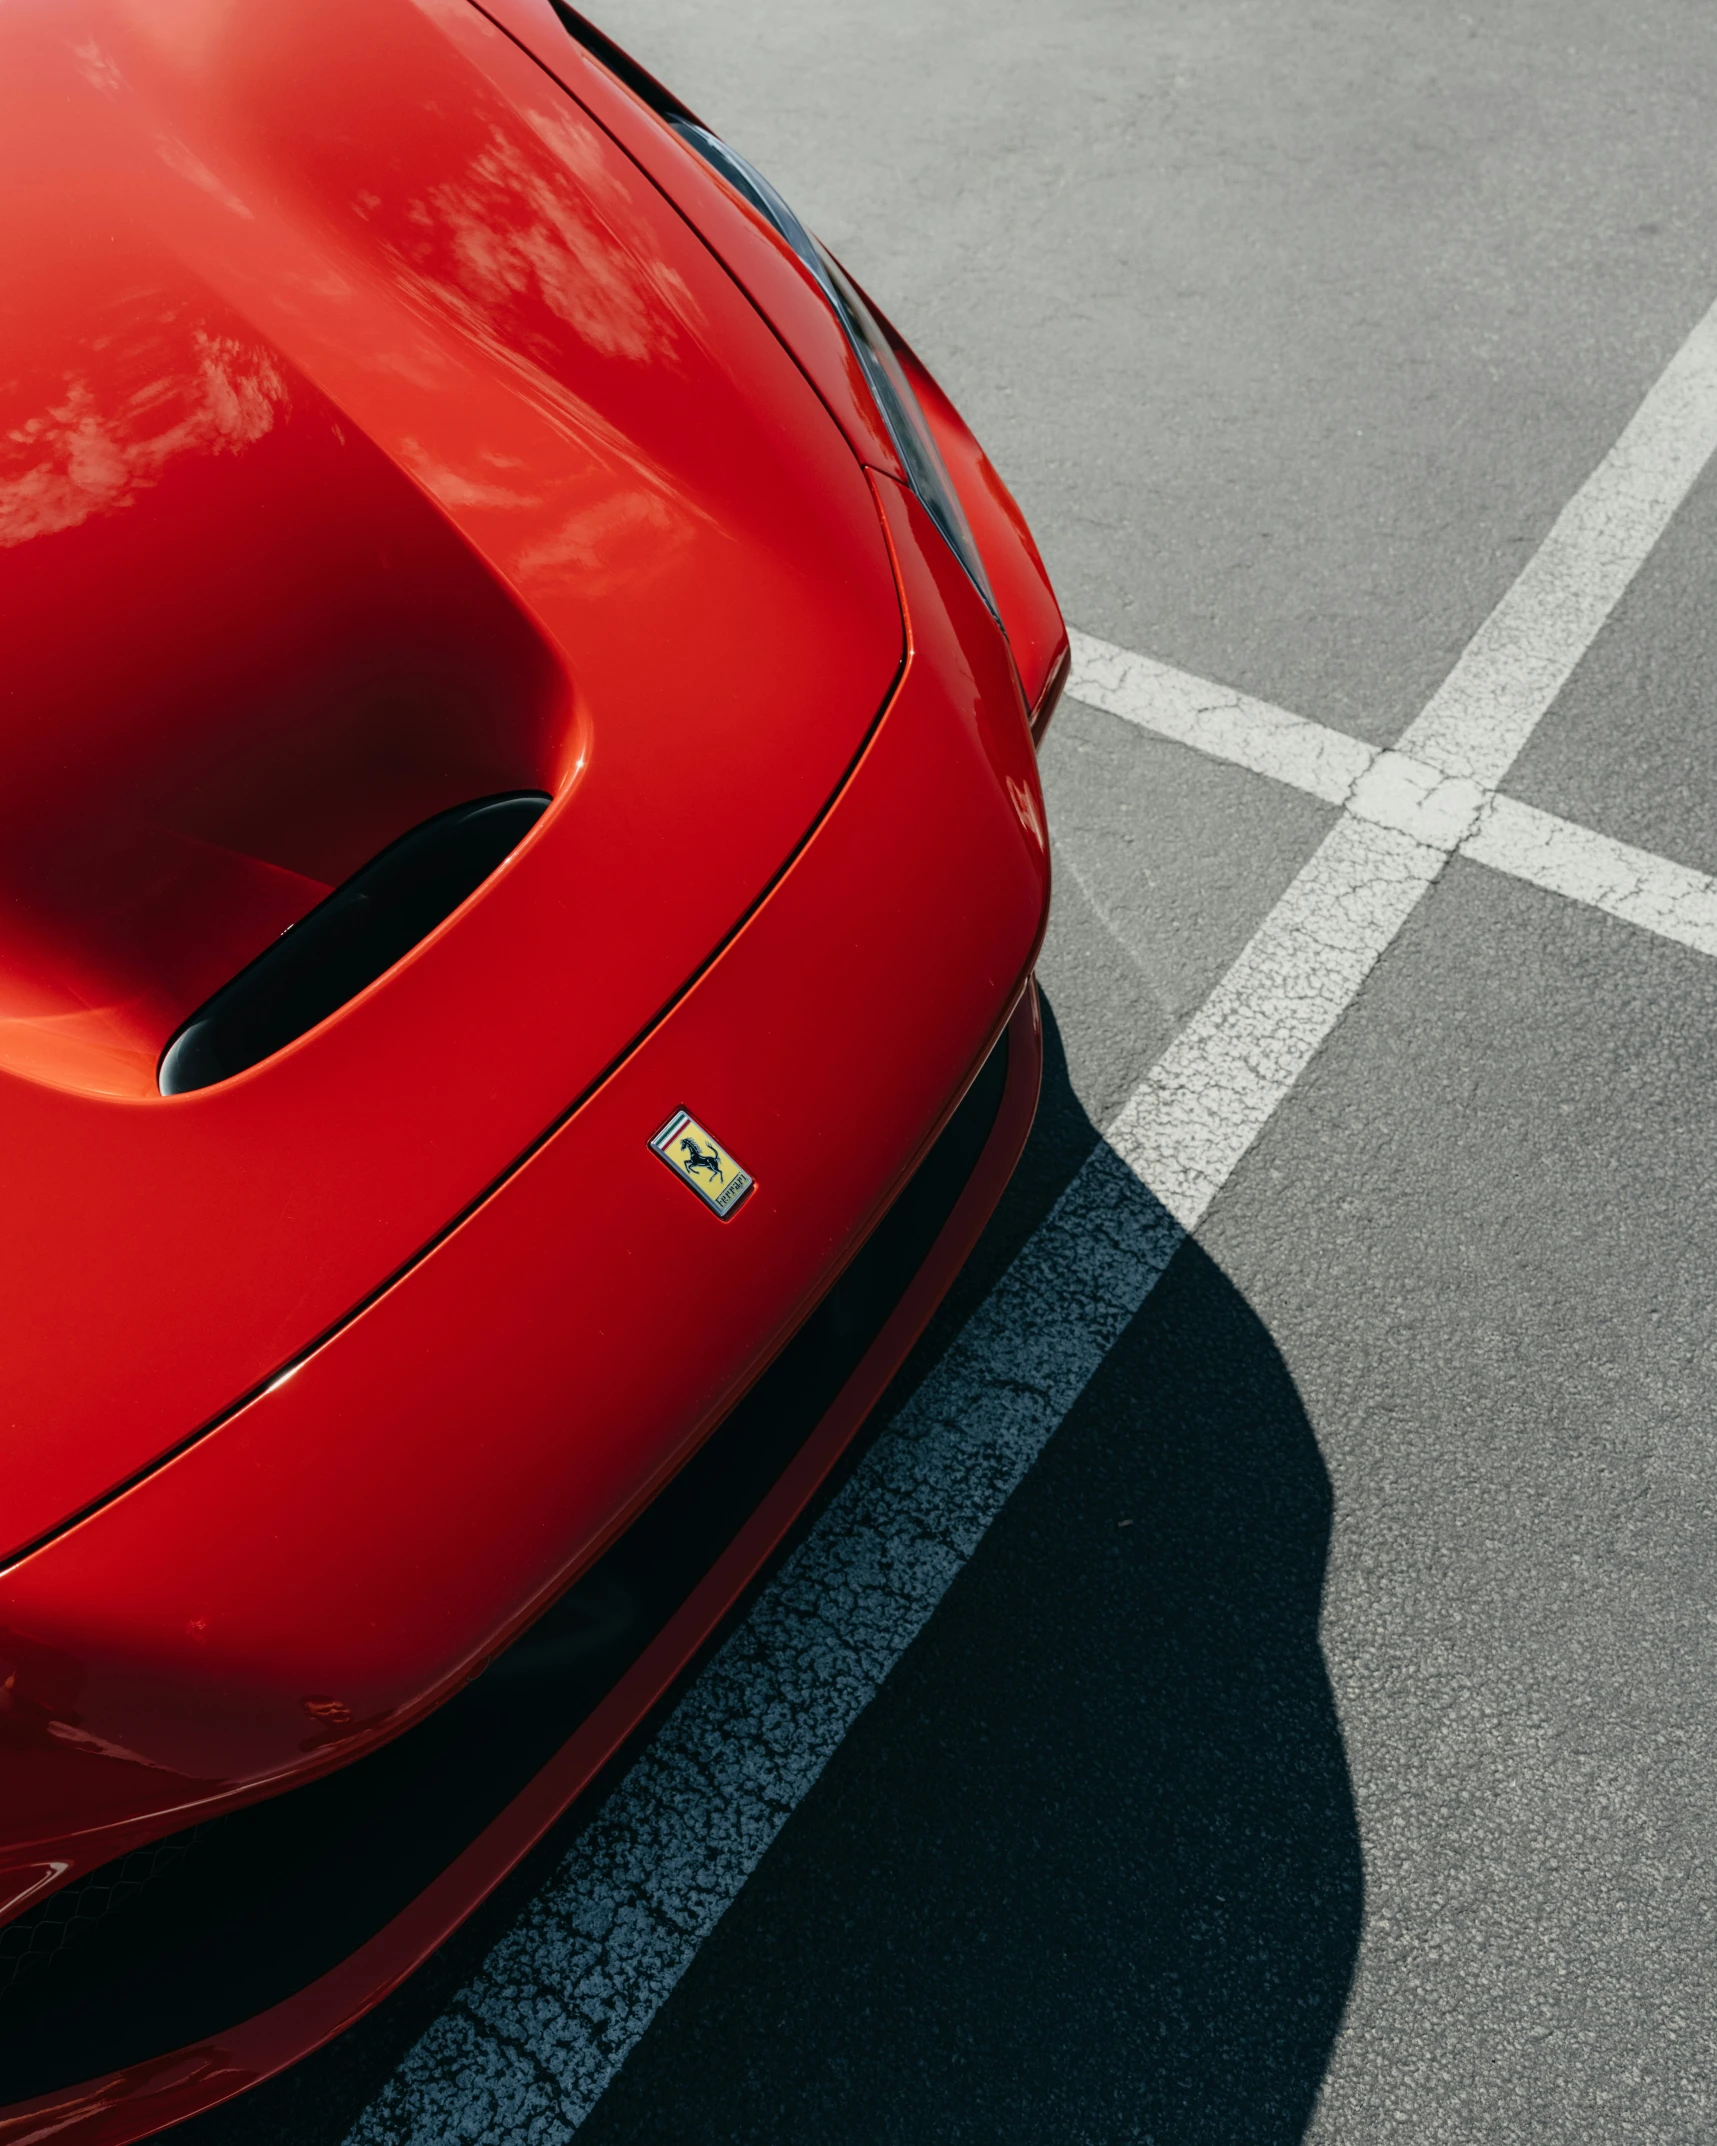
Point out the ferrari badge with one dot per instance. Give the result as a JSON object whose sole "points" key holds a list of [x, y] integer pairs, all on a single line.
{"points": [[699, 1158]]}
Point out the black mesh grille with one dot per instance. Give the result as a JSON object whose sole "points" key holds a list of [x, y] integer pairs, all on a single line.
{"points": [[31, 1940]]}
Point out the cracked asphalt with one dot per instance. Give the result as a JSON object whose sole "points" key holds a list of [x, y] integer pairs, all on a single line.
{"points": [[1323, 1742]]}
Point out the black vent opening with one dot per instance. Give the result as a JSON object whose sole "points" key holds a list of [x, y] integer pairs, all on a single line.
{"points": [[347, 941]]}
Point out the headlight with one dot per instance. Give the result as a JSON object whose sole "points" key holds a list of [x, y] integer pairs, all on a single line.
{"points": [[888, 383]]}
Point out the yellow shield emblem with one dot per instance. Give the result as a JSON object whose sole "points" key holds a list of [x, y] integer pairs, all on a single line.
{"points": [[698, 1158]]}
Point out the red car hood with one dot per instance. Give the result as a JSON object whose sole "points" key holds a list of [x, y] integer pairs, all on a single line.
{"points": [[373, 437]]}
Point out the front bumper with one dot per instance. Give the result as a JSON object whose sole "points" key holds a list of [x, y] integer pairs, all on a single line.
{"points": [[275, 1927], [340, 1556]]}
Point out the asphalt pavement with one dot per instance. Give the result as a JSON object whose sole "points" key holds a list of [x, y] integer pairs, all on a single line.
{"points": [[1321, 1740]]}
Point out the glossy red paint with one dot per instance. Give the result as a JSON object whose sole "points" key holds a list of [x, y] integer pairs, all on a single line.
{"points": [[337, 483], [1050, 698], [754, 255], [787, 297], [134, 2104], [393, 410], [1029, 612], [439, 1469]]}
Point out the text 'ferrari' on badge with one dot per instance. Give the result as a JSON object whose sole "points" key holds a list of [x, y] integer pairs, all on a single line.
{"points": [[699, 1157]]}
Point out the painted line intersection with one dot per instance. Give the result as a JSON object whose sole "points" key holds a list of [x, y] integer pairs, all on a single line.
{"points": [[1395, 789]]}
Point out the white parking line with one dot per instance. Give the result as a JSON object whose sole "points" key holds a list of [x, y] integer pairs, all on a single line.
{"points": [[1672, 900], [1395, 789], [529, 2044], [1207, 1098], [1478, 719], [1216, 720]]}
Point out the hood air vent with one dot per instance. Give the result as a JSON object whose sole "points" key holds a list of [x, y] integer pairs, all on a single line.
{"points": [[347, 941]]}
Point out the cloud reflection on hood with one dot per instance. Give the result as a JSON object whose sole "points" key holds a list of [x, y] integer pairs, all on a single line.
{"points": [[77, 459]]}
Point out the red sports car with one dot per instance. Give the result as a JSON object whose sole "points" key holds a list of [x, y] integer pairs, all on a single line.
{"points": [[521, 864]]}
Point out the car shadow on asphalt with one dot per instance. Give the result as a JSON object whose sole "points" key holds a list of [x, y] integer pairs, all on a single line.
{"points": [[1088, 1868]]}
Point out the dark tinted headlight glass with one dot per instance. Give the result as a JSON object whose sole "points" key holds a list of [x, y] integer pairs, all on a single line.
{"points": [[899, 406]]}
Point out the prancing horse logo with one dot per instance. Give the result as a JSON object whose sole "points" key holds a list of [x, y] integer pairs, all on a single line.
{"points": [[697, 1158], [702, 1159]]}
